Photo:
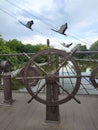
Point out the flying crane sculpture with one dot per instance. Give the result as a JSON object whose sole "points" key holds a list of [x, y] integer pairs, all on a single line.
{"points": [[62, 29], [28, 24], [66, 45]]}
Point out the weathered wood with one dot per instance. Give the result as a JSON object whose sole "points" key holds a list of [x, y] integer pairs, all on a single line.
{"points": [[31, 54], [24, 116]]}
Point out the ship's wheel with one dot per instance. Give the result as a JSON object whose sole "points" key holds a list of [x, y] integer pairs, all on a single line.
{"points": [[58, 76]]}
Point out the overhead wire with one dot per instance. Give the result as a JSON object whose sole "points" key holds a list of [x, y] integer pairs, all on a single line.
{"points": [[82, 38], [8, 13], [77, 39], [28, 12]]}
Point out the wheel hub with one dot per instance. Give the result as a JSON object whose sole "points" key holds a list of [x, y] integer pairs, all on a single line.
{"points": [[50, 78]]}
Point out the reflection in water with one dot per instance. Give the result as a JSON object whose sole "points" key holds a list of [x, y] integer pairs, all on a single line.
{"points": [[84, 66]]}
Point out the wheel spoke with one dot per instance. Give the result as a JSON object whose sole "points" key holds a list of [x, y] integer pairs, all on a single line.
{"points": [[67, 92], [39, 67], [35, 64], [74, 76], [66, 59], [26, 78], [35, 95]]}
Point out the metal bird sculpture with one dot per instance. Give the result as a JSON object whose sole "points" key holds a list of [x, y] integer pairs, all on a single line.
{"points": [[66, 45], [62, 29], [28, 24]]}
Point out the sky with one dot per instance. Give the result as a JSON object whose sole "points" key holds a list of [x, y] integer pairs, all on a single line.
{"points": [[80, 15]]}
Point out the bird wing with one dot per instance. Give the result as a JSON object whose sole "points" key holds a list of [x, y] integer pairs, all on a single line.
{"points": [[53, 30], [57, 31], [63, 28], [28, 24]]}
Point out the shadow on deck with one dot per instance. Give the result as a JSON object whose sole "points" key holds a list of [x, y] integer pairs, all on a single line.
{"points": [[23, 116]]}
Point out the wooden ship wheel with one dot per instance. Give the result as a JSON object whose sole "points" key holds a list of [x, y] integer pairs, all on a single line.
{"points": [[57, 77]]}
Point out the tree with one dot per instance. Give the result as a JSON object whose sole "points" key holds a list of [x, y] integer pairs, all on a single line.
{"points": [[1, 41], [94, 47], [15, 45], [28, 48], [41, 46], [6, 50], [81, 48]]}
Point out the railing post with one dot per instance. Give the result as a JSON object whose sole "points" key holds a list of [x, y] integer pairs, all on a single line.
{"points": [[5, 67], [7, 88]]}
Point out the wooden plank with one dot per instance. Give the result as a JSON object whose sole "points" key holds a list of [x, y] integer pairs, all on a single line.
{"points": [[24, 116]]}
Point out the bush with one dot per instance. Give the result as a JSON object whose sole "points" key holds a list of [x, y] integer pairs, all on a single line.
{"points": [[16, 85]]}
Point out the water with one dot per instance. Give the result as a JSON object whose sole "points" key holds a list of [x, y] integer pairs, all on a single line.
{"points": [[85, 87], [90, 89]]}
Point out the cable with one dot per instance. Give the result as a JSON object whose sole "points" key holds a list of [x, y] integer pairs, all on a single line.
{"points": [[81, 38], [29, 13], [8, 13], [78, 39]]}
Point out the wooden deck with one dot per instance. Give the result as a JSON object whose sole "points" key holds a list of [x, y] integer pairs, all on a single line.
{"points": [[24, 116]]}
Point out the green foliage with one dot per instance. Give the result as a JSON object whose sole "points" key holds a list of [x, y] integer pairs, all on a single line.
{"points": [[85, 64], [81, 48], [28, 48], [94, 47], [5, 50], [16, 85], [1, 42], [34, 48], [15, 45], [41, 47]]}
